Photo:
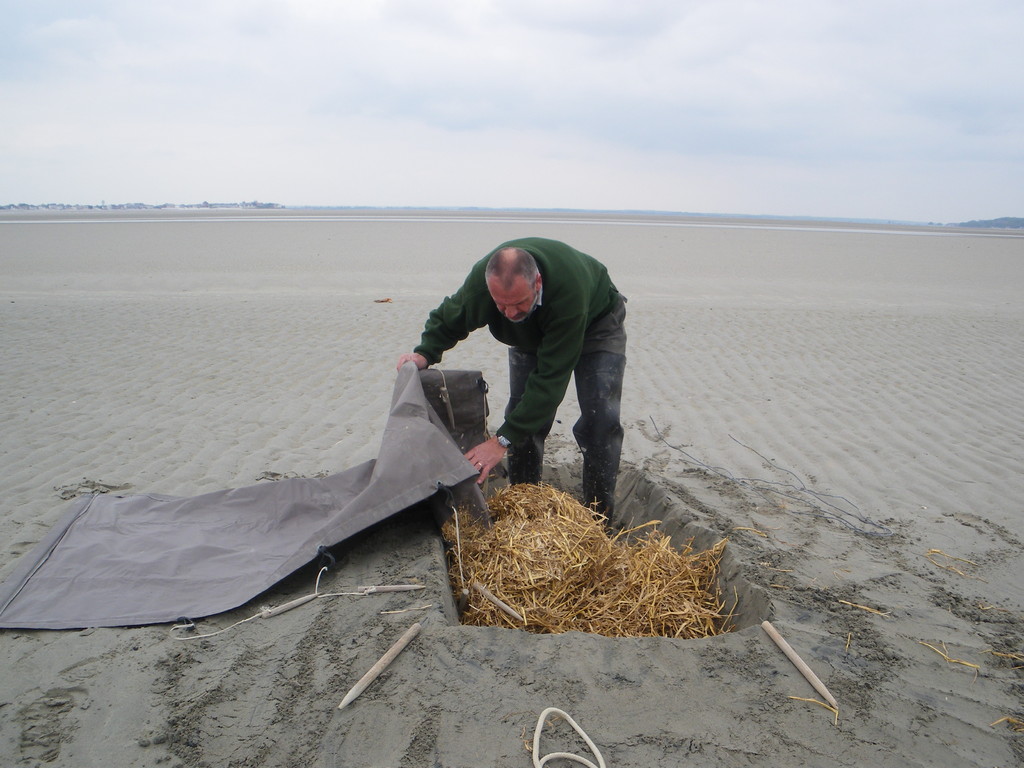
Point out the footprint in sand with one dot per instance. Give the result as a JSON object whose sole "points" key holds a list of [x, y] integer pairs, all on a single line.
{"points": [[86, 485], [42, 723]]}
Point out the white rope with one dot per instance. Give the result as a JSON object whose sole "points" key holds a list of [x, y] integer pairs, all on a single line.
{"points": [[268, 612], [540, 762], [458, 546], [191, 625], [446, 399]]}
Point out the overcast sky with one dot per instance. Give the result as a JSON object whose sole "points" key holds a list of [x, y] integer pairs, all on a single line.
{"points": [[908, 110]]}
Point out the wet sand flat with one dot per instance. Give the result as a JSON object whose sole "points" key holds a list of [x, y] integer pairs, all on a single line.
{"points": [[875, 371]]}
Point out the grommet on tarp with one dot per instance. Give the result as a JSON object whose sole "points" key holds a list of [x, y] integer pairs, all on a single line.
{"points": [[326, 558], [446, 491]]}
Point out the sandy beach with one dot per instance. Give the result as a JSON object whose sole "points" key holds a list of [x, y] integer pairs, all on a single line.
{"points": [[877, 371]]}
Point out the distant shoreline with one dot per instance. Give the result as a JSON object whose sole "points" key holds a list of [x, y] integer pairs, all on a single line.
{"points": [[254, 207]]}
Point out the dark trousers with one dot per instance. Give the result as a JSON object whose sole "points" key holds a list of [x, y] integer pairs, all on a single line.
{"points": [[598, 431]]}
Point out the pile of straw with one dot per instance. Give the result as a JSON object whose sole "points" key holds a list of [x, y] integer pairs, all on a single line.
{"points": [[551, 560]]}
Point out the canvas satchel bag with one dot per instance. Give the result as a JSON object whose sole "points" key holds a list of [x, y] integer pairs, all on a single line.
{"points": [[459, 398]]}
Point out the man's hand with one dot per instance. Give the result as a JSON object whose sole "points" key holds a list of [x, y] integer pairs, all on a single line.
{"points": [[486, 457], [414, 357]]}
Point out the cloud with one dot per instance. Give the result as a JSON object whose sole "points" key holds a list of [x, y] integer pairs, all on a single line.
{"points": [[666, 96]]}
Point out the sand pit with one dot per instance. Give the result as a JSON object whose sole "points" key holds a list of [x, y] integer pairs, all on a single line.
{"points": [[545, 563]]}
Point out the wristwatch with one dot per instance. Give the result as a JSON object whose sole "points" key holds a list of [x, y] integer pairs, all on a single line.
{"points": [[503, 441]]}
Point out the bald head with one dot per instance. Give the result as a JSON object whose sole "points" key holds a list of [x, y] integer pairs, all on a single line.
{"points": [[514, 283], [508, 265]]}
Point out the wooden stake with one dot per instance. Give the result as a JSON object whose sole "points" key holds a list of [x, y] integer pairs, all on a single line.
{"points": [[501, 606], [380, 666], [799, 663]]}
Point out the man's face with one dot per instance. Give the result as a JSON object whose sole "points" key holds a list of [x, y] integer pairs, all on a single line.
{"points": [[517, 302]]}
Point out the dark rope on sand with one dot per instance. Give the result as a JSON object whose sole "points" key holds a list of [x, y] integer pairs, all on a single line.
{"points": [[826, 506]]}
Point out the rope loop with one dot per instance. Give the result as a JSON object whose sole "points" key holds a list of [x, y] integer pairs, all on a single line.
{"points": [[540, 762]]}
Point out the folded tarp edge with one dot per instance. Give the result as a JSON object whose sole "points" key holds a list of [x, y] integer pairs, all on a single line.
{"points": [[30, 562]]}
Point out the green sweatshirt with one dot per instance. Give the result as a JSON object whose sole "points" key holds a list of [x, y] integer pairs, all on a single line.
{"points": [[576, 291]]}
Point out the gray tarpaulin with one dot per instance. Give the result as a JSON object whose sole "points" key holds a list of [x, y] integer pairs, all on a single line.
{"points": [[147, 558]]}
